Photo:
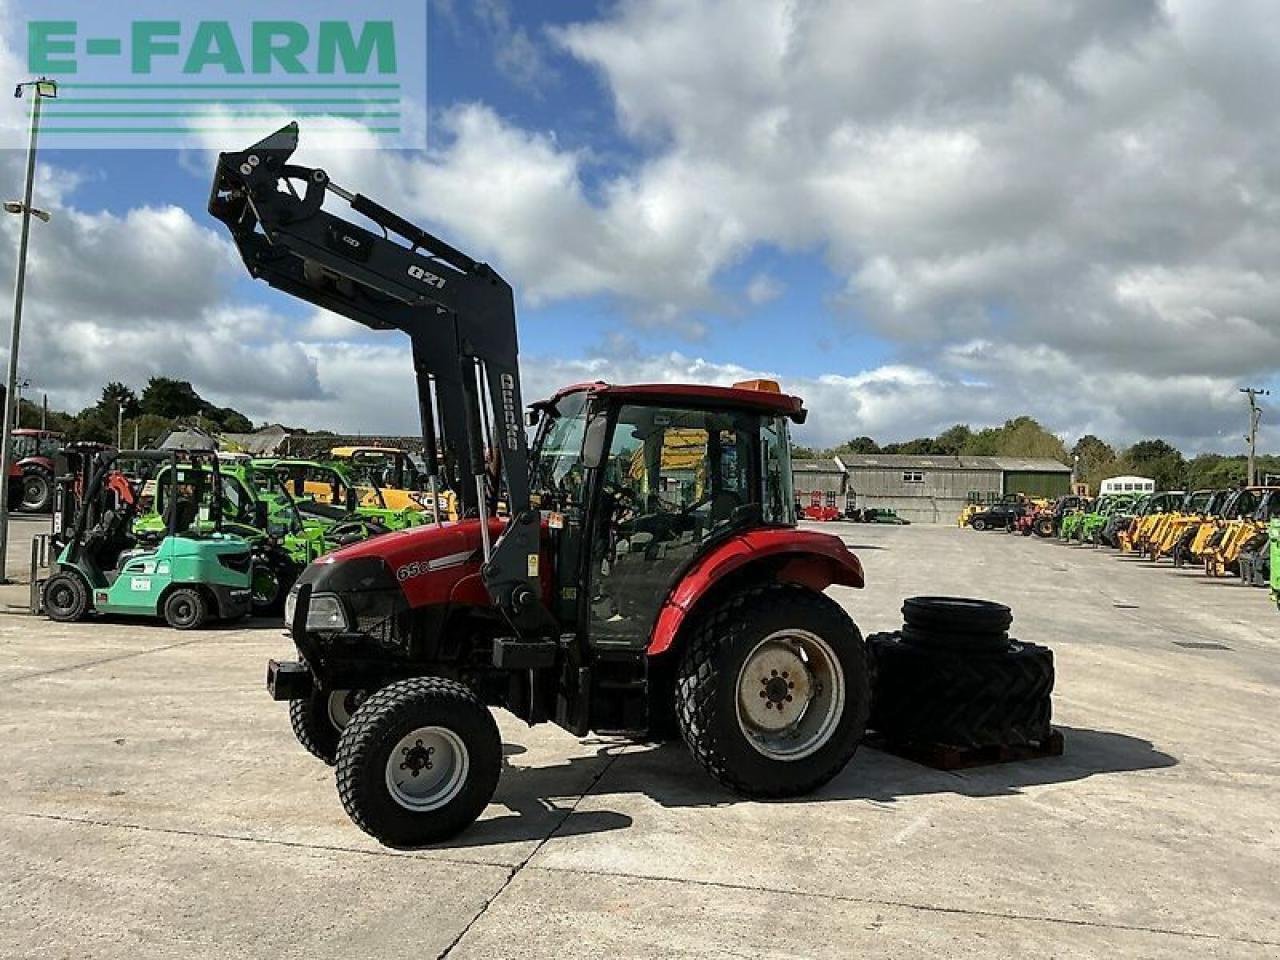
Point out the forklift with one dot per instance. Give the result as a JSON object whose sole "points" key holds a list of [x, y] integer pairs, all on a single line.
{"points": [[188, 572], [621, 592]]}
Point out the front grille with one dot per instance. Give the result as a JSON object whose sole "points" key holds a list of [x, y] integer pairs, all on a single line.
{"points": [[238, 562]]}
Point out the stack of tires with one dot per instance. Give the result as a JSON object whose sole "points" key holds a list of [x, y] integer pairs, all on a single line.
{"points": [[953, 677]]}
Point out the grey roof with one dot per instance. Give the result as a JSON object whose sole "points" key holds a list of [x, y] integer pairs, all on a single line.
{"points": [[1031, 464], [268, 440], [898, 461], [187, 438], [821, 465]]}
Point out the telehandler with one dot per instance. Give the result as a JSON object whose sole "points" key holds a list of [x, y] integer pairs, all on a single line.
{"points": [[608, 599], [1244, 518]]}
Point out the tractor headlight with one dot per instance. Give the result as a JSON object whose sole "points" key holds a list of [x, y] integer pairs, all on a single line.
{"points": [[290, 605], [325, 614]]}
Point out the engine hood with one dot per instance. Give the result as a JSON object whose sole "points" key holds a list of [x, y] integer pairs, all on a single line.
{"points": [[428, 564]]}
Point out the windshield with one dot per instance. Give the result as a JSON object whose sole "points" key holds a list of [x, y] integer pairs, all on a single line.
{"points": [[33, 445], [557, 455]]}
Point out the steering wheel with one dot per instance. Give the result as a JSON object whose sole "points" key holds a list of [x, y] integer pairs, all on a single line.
{"points": [[353, 528]]}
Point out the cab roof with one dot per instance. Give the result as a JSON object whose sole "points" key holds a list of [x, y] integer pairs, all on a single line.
{"points": [[763, 400]]}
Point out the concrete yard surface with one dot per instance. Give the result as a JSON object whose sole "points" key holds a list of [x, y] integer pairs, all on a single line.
{"points": [[153, 802]]}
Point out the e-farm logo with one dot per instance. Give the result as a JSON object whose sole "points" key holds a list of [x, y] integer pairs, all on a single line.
{"points": [[230, 73]]}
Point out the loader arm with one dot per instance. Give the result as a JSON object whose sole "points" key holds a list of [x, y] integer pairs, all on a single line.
{"points": [[459, 316]]}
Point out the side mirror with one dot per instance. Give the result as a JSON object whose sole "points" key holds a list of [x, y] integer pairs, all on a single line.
{"points": [[531, 417], [594, 442]]}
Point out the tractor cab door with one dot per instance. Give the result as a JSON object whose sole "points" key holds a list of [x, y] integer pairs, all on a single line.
{"points": [[672, 480]]}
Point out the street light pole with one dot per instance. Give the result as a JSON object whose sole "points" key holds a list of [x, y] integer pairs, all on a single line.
{"points": [[41, 88]]}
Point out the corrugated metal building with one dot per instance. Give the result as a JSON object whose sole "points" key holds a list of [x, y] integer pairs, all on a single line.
{"points": [[933, 489], [825, 475]]}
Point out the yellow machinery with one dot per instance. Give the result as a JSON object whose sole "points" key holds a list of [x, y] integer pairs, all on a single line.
{"points": [[1172, 527], [1155, 510], [1245, 515], [390, 470]]}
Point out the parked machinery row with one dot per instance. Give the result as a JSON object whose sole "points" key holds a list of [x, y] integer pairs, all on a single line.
{"points": [[196, 536], [1226, 532]]}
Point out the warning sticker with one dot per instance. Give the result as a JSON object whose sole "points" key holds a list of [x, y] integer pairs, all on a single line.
{"points": [[533, 564]]}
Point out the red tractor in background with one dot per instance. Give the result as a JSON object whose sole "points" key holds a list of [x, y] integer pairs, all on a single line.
{"points": [[31, 471], [628, 590]]}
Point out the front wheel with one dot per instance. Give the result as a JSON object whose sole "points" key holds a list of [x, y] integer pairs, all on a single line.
{"points": [[271, 582], [418, 762], [66, 597], [979, 523], [772, 692]]}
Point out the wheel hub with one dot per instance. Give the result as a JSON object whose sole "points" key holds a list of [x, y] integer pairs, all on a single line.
{"points": [[427, 768], [416, 758], [790, 694]]}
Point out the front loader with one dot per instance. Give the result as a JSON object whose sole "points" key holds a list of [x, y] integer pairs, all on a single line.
{"points": [[620, 593]]}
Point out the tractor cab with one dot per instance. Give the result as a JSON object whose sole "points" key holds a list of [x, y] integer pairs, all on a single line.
{"points": [[671, 470]]}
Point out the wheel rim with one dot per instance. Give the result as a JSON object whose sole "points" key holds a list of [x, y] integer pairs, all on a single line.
{"points": [[61, 597], [427, 769], [340, 705], [266, 587], [791, 692], [33, 492], [183, 610]]}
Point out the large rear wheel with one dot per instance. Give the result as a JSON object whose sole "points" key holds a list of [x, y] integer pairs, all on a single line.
{"points": [[37, 491], [772, 693], [418, 762]]}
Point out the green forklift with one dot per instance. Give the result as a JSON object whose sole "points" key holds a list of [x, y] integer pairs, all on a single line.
{"points": [[189, 572]]}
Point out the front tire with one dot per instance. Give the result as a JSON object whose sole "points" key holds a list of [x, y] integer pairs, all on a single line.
{"points": [[65, 597], [979, 524], [418, 762], [318, 720], [772, 691], [186, 609]]}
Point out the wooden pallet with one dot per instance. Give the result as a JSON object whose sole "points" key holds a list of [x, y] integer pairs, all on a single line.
{"points": [[941, 756]]}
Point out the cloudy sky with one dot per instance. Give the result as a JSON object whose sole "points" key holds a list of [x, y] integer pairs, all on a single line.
{"points": [[911, 212]]}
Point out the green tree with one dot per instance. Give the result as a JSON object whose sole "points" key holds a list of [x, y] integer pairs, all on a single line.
{"points": [[116, 396], [165, 397], [953, 440], [1095, 460], [1157, 459], [143, 431], [860, 445]]}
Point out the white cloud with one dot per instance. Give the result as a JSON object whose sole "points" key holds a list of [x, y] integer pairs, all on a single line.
{"points": [[763, 288]]}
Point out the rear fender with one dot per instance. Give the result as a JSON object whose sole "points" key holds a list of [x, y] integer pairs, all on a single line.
{"points": [[805, 557]]}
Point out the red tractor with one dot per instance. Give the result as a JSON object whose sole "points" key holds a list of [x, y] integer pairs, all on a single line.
{"points": [[31, 470], [628, 590]]}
